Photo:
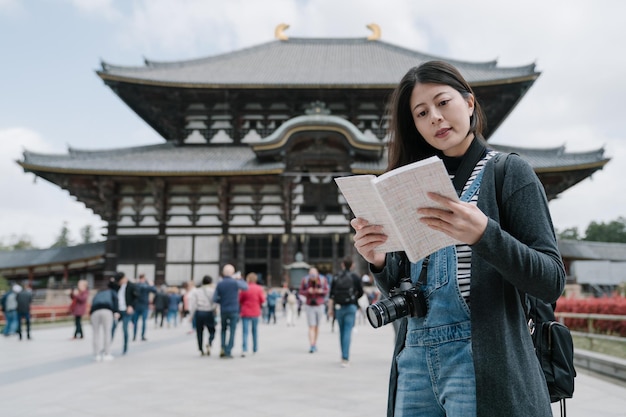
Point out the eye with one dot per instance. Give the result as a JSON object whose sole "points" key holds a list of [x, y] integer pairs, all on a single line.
{"points": [[444, 102], [420, 114]]}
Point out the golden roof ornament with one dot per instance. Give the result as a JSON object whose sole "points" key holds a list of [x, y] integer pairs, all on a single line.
{"points": [[375, 35], [279, 32]]}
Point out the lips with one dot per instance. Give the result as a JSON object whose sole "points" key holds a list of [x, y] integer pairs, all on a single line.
{"points": [[442, 132]]}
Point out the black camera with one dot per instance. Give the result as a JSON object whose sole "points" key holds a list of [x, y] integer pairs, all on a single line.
{"points": [[405, 300]]}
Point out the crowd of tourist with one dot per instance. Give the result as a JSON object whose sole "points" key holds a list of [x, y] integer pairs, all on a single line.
{"points": [[213, 304]]}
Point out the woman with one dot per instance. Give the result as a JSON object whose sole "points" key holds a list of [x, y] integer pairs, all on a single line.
{"points": [[250, 302], [457, 360], [78, 307], [104, 309], [202, 309]]}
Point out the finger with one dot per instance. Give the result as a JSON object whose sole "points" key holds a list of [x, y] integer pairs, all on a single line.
{"points": [[358, 223], [438, 198]]}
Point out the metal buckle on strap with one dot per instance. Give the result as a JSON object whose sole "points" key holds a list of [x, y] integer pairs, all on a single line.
{"points": [[531, 326]]}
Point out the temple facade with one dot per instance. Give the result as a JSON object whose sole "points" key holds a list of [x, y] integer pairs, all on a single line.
{"points": [[252, 140]]}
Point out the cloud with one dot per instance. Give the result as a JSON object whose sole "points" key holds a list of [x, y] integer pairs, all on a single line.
{"points": [[98, 8], [35, 208]]}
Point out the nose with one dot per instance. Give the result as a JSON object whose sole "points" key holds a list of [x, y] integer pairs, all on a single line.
{"points": [[435, 116]]}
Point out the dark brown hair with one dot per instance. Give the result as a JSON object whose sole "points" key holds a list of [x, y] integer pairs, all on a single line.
{"points": [[406, 144]]}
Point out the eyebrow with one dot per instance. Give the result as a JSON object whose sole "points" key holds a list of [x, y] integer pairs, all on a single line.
{"points": [[436, 95]]}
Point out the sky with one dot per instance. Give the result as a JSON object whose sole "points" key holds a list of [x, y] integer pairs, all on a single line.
{"points": [[52, 99]]}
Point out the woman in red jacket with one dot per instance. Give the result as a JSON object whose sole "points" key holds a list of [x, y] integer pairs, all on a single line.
{"points": [[78, 308], [250, 302]]}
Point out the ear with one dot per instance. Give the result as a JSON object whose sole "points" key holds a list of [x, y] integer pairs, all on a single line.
{"points": [[470, 104]]}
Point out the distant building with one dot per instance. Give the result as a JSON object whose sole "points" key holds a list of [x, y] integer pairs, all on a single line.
{"points": [[252, 141], [598, 267], [52, 267]]}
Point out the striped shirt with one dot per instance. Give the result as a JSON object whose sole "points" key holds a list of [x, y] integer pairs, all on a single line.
{"points": [[463, 251]]}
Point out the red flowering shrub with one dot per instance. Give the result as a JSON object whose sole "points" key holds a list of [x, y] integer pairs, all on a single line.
{"points": [[615, 305]]}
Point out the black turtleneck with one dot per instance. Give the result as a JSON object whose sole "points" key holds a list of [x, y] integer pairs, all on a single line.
{"points": [[452, 163]]}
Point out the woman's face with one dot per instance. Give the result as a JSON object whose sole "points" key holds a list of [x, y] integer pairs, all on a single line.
{"points": [[442, 116]]}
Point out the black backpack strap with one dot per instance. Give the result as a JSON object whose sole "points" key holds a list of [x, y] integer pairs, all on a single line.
{"points": [[498, 175]]}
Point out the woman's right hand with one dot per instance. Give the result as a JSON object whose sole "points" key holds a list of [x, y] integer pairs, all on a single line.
{"points": [[367, 238]]}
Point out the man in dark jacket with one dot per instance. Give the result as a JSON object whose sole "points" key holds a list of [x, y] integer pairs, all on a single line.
{"points": [[345, 291], [227, 296], [24, 300], [161, 301], [142, 305], [127, 296]]}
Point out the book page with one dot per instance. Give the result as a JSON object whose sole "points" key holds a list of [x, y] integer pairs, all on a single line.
{"points": [[403, 191], [361, 196]]}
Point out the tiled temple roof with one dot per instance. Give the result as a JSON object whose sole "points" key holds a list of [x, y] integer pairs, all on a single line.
{"points": [[168, 159], [306, 62], [39, 257]]}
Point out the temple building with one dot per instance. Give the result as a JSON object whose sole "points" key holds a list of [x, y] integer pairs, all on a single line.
{"points": [[252, 140]]}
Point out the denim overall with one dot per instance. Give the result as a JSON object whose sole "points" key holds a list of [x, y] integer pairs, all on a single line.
{"points": [[435, 368]]}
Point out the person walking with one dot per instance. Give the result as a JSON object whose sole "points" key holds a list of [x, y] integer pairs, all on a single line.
{"points": [[345, 291], [251, 301], [174, 299], [142, 305], [126, 297], [24, 300], [468, 351], [104, 309], [227, 296], [9, 308], [202, 307], [272, 300], [78, 307], [160, 306], [314, 288], [291, 306]]}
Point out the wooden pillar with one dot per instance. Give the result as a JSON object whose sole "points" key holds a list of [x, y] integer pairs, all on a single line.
{"points": [[111, 247], [107, 192], [241, 250], [161, 250], [226, 250], [268, 262], [159, 193]]}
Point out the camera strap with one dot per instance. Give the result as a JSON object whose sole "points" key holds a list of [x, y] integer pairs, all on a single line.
{"points": [[423, 278]]}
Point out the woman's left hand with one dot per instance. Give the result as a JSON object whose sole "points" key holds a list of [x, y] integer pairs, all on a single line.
{"points": [[459, 220]]}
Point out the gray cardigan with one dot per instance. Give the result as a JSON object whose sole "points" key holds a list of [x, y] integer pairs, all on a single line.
{"points": [[509, 380]]}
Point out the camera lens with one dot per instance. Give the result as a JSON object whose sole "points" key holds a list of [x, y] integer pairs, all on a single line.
{"points": [[387, 310]]}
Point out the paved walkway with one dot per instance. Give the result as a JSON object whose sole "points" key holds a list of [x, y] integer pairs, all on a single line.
{"points": [[165, 376]]}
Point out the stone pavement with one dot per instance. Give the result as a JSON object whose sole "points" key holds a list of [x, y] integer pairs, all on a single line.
{"points": [[165, 376]]}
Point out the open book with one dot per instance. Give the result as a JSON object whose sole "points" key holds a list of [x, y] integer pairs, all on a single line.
{"points": [[392, 199]]}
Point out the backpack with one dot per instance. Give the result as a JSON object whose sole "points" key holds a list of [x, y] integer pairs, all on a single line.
{"points": [[343, 289], [552, 340], [103, 298], [10, 304], [291, 298]]}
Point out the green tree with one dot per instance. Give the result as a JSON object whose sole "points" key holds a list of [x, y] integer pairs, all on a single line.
{"points": [[16, 242], [86, 234], [63, 239], [614, 231], [4, 284], [571, 233]]}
